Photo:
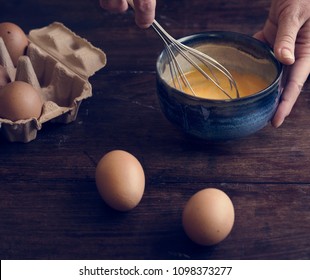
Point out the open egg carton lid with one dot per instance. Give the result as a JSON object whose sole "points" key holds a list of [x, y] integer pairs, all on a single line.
{"points": [[58, 63]]}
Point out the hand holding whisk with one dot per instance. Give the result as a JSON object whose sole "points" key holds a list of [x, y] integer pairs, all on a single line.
{"points": [[194, 57]]}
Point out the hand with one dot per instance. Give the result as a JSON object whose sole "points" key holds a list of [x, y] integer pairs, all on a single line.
{"points": [[287, 29], [144, 9]]}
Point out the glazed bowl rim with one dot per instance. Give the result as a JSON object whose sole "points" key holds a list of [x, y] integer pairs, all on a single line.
{"points": [[223, 34]]}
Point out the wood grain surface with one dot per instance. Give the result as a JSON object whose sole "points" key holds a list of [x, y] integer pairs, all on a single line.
{"points": [[49, 204]]}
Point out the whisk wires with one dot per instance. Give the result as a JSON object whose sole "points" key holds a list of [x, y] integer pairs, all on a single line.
{"points": [[179, 79]]}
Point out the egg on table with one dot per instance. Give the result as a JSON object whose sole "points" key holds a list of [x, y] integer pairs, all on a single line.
{"points": [[208, 217], [120, 180]]}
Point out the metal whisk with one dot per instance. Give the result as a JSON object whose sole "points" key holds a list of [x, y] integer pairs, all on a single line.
{"points": [[193, 56]]}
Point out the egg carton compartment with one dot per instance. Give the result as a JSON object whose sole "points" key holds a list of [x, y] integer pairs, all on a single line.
{"points": [[58, 63]]}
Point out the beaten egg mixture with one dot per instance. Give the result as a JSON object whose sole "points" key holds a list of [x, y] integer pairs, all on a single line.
{"points": [[247, 84]]}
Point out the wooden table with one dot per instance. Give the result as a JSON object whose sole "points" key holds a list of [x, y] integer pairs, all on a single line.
{"points": [[49, 204]]}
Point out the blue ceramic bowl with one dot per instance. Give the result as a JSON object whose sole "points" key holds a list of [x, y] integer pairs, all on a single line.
{"points": [[223, 119]]}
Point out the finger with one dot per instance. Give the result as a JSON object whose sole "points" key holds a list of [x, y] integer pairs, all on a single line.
{"points": [[114, 5], [298, 75], [260, 36], [145, 12], [284, 46], [268, 34]]}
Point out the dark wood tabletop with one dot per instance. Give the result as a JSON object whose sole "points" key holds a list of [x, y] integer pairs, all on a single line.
{"points": [[49, 204]]}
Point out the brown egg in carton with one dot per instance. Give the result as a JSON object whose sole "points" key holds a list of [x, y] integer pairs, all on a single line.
{"points": [[58, 63]]}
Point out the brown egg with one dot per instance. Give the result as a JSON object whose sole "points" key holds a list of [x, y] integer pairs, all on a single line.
{"points": [[14, 39], [120, 180], [20, 101], [208, 217]]}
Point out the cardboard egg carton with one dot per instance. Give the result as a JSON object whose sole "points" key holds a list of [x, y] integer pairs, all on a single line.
{"points": [[58, 63]]}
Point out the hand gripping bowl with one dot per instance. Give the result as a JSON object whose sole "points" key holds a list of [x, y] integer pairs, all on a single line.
{"points": [[230, 118]]}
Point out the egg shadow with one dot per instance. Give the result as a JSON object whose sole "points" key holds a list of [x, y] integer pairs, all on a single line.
{"points": [[179, 247]]}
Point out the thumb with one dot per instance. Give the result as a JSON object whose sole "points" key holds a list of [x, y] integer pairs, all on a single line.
{"points": [[284, 45]]}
